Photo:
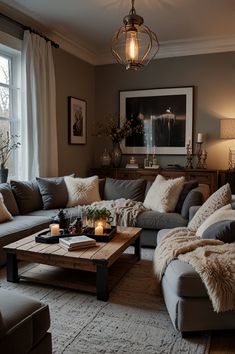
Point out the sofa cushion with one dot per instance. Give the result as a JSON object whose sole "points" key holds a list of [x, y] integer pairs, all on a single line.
{"points": [[82, 191], [49, 214], [53, 191], [163, 194], [27, 195], [155, 220], [24, 317], [128, 189], [9, 199], [217, 200], [4, 213], [101, 187], [187, 187]]}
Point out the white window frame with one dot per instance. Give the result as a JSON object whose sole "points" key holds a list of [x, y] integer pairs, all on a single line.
{"points": [[10, 48]]}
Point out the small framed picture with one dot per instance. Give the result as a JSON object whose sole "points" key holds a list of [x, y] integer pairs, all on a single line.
{"points": [[77, 110]]}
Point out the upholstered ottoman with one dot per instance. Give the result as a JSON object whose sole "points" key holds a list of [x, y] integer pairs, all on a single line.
{"points": [[187, 301], [23, 325]]}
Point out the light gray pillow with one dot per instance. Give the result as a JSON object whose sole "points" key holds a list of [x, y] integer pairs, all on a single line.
{"points": [[53, 191], [27, 195], [128, 189], [9, 199]]}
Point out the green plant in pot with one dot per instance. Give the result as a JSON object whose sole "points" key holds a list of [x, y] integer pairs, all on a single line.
{"points": [[97, 215], [8, 143]]}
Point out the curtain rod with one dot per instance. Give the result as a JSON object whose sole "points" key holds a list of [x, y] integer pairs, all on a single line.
{"points": [[25, 28]]}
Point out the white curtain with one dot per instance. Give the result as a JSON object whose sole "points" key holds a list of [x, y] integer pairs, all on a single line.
{"points": [[38, 126]]}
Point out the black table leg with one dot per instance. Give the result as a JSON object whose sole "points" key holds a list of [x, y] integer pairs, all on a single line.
{"points": [[102, 281], [12, 268], [137, 248]]}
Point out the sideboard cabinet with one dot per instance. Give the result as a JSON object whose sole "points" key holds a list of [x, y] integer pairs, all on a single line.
{"points": [[209, 177]]}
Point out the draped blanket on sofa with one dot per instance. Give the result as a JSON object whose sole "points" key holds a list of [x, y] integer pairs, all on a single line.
{"points": [[213, 260], [124, 211]]}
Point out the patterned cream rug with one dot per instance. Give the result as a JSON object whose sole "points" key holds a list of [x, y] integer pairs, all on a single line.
{"points": [[133, 321]]}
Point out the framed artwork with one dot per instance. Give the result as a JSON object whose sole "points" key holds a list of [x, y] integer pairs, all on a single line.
{"points": [[166, 116], [77, 120]]}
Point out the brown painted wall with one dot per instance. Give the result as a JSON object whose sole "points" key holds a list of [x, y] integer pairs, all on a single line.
{"points": [[74, 77], [212, 75]]}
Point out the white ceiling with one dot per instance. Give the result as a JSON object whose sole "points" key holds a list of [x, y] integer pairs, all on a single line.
{"points": [[85, 27]]}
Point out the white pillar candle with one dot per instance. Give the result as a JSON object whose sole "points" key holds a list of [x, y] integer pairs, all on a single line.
{"points": [[55, 229], [99, 229], [199, 137]]}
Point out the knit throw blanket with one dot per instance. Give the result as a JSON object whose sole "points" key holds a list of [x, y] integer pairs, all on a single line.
{"points": [[124, 211], [213, 260]]}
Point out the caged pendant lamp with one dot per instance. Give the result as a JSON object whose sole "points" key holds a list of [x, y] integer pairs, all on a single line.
{"points": [[134, 44]]}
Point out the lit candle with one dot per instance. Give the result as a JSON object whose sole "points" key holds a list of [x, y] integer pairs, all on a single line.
{"points": [[99, 229], [199, 137], [55, 229]]}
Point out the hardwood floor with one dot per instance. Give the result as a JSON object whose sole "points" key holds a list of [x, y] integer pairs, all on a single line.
{"points": [[222, 342]]}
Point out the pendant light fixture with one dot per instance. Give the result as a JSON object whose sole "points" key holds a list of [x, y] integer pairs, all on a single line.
{"points": [[134, 44]]}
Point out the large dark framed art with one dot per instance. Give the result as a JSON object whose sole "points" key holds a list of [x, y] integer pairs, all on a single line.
{"points": [[166, 115], [77, 119]]}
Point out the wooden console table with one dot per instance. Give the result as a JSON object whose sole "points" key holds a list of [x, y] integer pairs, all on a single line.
{"points": [[209, 177]]}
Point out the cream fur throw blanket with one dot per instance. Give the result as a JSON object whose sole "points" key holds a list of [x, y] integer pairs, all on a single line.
{"points": [[213, 260], [123, 211]]}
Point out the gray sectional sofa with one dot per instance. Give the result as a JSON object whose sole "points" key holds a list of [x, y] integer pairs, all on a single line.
{"points": [[187, 300], [33, 204]]}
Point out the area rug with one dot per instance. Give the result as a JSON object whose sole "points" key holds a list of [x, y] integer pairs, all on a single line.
{"points": [[134, 320]]}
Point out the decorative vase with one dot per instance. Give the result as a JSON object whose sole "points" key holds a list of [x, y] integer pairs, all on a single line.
{"points": [[116, 155], [3, 175]]}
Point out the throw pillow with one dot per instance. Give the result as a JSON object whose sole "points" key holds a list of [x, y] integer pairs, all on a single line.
{"points": [[9, 199], [82, 191], [187, 187], [221, 230], [128, 189], [27, 195], [4, 213], [216, 201], [224, 213], [53, 191], [163, 194]]}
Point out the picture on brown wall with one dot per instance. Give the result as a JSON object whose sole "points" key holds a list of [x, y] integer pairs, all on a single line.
{"points": [[166, 116], [77, 119]]}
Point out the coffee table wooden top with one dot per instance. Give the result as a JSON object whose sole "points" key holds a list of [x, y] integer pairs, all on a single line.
{"points": [[28, 250]]}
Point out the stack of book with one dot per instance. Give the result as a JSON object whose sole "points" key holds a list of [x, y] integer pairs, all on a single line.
{"points": [[72, 243]]}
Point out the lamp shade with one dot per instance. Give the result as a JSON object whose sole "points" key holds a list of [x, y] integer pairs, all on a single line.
{"points": [[227, 128]]}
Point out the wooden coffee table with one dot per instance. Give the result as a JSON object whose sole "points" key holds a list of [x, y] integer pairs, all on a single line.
{"points": [[99, 261]]}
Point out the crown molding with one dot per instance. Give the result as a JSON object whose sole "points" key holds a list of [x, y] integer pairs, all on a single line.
{"points": [[193, 46]]}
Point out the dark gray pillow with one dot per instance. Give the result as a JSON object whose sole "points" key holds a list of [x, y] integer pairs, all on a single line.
{"points": [[221, 230], [27, 195], [9, 199], [101, 187], [128, 189], [187, 187], [194, 198], [53, 191]]}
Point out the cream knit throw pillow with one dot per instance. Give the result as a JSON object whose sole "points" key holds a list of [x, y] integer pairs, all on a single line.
{"points": [[5, 215], [217, 200], [163, 194], [82, 191]]}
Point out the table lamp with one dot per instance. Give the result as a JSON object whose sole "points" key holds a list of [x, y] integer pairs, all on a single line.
{"points": [[227, 131]]}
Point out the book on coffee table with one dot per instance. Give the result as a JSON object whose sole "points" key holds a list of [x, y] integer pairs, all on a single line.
{"points": [[76, 242]]}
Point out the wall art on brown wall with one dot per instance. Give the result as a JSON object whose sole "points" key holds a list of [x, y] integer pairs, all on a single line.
{"points": [[166, 115], [77, 119]]}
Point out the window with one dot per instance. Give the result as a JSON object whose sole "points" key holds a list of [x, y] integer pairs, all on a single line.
{"points": [[10, 100]]}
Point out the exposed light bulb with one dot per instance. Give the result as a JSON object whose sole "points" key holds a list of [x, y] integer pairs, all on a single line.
{"points": [[132, 48]]}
